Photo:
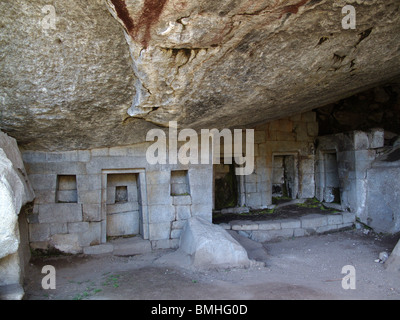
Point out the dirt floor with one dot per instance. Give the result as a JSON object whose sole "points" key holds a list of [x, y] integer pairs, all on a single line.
{"points": [[300, 269]]}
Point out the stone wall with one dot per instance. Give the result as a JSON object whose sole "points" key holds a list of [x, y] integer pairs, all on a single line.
{"points": [[383, 193], [73, 226], [355, 151], [76, 204], [293, 136]]}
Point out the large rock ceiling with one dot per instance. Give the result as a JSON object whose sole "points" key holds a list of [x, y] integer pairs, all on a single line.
{"points": [[101, 79]]}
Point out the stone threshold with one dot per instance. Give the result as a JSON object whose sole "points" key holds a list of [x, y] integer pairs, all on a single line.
{"points": [[121, 247], [306, 225]]}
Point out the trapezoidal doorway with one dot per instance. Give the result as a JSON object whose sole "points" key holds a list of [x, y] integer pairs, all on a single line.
{"points": [[285, 176], [123, 204]]}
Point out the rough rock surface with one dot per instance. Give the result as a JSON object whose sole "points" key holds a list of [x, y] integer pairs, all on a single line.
{"points": [[203, 63], [206, 246], [239, 62], [15, 191], [68, 87], [383, 200], [393, 263]]}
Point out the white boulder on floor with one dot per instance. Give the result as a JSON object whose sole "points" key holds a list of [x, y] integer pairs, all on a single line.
{"points": [[204, 245]]}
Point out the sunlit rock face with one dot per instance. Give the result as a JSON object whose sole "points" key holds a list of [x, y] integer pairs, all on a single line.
{"points": [[65, 86], [94, 82]]}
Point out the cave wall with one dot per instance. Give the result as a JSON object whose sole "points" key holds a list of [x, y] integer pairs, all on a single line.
{"points": [[375, 108]]}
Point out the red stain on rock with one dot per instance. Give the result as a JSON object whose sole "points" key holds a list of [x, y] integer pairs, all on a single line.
{"points": [[123, 14], [294, 8], [150, 14]]}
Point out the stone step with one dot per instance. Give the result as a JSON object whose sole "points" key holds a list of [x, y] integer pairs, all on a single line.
{"points": [[130, 246], [267, 230]]}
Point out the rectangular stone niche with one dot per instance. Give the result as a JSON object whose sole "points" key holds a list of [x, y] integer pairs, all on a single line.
{"points": [[66, 189], [123, 217], [124, 203], [180, 183]]}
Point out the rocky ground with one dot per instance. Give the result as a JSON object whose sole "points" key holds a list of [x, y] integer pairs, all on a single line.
{"points": [[301, 268]]}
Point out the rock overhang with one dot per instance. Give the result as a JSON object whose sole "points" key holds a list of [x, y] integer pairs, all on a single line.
{"points": [[201, 63]]}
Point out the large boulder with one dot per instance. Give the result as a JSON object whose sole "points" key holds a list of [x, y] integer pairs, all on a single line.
{"points": [[204, 245], [15, 191], [211, 246], [393, 263]]}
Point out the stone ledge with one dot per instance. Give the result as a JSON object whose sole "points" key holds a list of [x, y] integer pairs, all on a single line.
{"points": [[262, 231], [99, 249]]}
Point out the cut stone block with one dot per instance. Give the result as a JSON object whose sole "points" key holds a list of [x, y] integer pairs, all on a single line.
{"points": [[91, 212], [327, 228], [99, 249], [244, 225], [78, 227], [290, 223], [160, 231], [313, 221], [122, 207], [183, 212], [299, 232], [43, 181], [179, 224], [39, 232], [262, 236], [60, 213], [269, 225], [58, 228], [67, 243], [161, 213], [349, 217], [158, 177], [226, 226], [335, 219], [91, 237], [176, 233], [121, 224], [182, 200]]}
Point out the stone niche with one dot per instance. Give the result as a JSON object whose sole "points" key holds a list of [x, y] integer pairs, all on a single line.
{"points": [[123, 206]]}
